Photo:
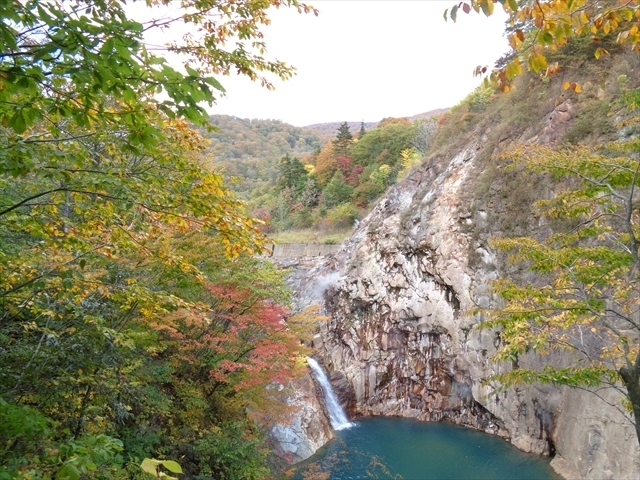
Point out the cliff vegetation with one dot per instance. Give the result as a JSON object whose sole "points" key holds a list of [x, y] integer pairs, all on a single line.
{"points": [[137, 330]]}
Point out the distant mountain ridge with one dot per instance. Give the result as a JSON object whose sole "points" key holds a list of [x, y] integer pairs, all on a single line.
{"points": [[431, 113], [327, 131], [250, 149]]}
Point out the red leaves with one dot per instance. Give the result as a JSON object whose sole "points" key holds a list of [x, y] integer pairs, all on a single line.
{"points": [[243, 344], [344, 164], [353, 178]]}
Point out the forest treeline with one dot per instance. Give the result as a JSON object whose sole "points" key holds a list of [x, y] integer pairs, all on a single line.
{"points": [[293, 180]]}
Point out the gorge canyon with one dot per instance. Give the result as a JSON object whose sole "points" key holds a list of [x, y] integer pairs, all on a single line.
{"points": [[401, 337]]}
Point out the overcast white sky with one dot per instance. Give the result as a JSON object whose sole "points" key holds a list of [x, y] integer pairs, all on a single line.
{"points": [[365, 60]]}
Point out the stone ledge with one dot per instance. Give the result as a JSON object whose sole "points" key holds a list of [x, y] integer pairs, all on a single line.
{"points": [[296, 250]]}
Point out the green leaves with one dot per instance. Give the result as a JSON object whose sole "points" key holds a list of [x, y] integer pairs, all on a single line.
{"points": [[99, 182], [79, 265], [152, 466], [454, 13], [63, 63], [571, 376], [578, 290], [86, 454], [537, 62]]}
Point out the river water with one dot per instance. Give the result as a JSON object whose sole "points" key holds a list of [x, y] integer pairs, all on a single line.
{"points": [[399, 448]]}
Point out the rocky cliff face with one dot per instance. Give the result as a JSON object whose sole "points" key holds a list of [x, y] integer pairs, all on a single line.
{"points": [[401, 338], [307, 427]]}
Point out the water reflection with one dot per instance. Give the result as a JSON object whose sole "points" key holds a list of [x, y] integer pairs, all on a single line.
{"points": [[398, 448]]}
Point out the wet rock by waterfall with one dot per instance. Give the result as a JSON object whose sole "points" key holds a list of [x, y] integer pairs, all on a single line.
{"points": [[306, 428]]}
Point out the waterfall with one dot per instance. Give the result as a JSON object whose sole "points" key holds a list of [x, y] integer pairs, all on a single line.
{"points": [[337, 416]]}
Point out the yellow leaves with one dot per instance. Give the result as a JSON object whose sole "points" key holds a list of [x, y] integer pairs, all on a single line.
{"points": [[556, 21], [537, 62], [538, 16], [304, 324], [513, 6], [584, 17], [487, 7], [573, 86], [600, 51], [152, 467], [552, 69], [561, 32], [29, 326], [597, 23], [514, 41], [624, 35], [519, 34]]}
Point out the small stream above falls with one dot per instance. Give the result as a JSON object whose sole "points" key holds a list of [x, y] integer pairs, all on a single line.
{"points": [[401, 448]]}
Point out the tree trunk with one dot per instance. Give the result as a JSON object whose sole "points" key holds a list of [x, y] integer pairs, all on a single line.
{"points": [[631, 378]]}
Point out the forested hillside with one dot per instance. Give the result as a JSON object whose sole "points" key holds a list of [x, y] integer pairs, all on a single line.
{"points": [[137, 330], [292, 181], [337, 185], [140, 334], [249, 150], [320, 178]]}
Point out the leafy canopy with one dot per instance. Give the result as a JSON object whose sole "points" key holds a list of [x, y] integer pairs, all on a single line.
{"points": [[118, 341], [88, 61], [584, 294], [537, 27]]}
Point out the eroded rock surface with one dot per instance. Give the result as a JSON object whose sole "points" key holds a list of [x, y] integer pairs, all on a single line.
{"points": [[401, 339], [306, 428]]}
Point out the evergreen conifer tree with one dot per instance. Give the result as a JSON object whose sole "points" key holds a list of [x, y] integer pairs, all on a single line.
{"points": [[292, 174], [343, 139]]}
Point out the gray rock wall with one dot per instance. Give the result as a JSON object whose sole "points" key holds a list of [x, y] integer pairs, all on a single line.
{"points": [[401, 339], [306, 428]]}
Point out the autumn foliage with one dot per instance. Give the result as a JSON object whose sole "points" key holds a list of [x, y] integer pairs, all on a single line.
{"points": [[541, 27], [120, 338]]}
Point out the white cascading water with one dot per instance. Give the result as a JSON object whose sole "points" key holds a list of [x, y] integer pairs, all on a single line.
{"points": [[337, 416]]}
